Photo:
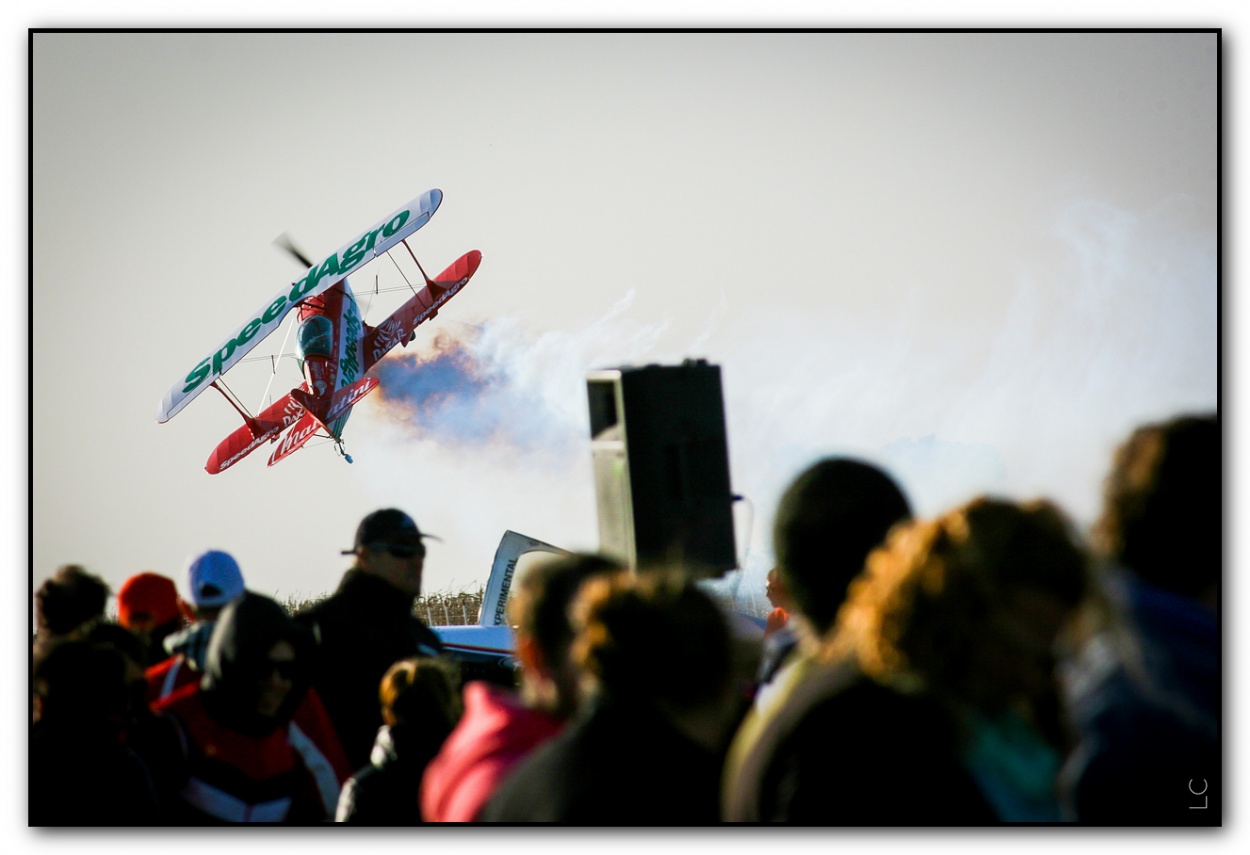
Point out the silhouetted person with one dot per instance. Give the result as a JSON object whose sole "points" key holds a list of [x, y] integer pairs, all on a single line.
{"points": [[780, 639], [153, 737], [501, 727], [246, 760], [82, 772], [933, 702], [67, 601], [420, 705], [779, 599], [368, 625], [828, 520], [148, 605], [1145, 691], [647, 746], [213, 579]]}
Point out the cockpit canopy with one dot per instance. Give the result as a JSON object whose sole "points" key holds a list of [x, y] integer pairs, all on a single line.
{"points": [[315, 336]]}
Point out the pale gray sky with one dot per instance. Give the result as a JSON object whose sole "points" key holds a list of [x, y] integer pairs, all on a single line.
{"points": [[979, 259], [979, 265]]}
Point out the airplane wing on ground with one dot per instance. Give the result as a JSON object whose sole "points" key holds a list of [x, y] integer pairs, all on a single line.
{"points": [[511, 547], [486, 650], [382, 237], [398, 328]]}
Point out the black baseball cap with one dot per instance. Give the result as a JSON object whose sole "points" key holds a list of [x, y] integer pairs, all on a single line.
{"points": [[389, 525]]}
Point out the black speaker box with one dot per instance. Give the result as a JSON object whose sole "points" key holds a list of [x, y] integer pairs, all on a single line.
{"points": [[661, 466]]}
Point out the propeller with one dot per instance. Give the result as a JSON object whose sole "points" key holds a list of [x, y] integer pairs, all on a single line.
{"points": [[283, 241]]}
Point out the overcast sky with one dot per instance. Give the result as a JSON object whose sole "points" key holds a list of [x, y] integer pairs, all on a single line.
{"points": [[978, 259]]}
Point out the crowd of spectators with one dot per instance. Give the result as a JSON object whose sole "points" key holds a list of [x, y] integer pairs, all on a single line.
{"points": [[989, 664]]}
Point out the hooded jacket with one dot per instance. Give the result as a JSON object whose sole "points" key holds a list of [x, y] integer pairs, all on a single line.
{"points": [[618, 762], [241, 766], [495, 733], [237, 655], [310, 716]]}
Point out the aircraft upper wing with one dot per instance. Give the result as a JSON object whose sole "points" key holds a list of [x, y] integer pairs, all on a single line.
{"points": [[383, 236], [422, 306]]}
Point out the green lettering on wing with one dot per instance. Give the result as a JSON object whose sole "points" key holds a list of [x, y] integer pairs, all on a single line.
{"points": [[329, 267], [332, 266], [222, 356], [303, 286], [274, 311], [245, 335], [354, 254], [396, 223], [196, 377]]}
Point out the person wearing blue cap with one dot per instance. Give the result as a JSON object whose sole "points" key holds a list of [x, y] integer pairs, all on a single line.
{"points": [[214, 580]]}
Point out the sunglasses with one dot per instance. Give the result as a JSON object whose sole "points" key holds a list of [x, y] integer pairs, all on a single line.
{"points": [[284, 668], [401, 550]]}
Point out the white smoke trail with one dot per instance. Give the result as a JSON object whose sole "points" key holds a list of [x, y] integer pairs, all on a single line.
{"points": [[1023, 394]]}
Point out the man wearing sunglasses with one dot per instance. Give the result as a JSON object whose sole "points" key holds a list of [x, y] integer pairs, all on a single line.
{"points": [[368, 624]]}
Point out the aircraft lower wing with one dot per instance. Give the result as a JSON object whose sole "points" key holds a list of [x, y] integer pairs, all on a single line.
{"points": [[318, 413], [398, 328], [296, 437], [264, 428]]}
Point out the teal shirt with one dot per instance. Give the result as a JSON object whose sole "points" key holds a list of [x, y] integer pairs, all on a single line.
{"points": [[1014, 766]]}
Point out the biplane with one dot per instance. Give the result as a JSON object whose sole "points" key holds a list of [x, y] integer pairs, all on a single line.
{"points": [[335, 347]]}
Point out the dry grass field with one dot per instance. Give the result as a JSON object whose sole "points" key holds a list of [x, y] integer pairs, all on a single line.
{"points": [[461, 609], [436, 609]]}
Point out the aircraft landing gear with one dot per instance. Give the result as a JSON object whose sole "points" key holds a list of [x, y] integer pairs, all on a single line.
{"points": [[338, 446]]}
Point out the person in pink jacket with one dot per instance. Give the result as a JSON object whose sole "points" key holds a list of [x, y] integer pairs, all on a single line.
{"points": [[499, 726]]}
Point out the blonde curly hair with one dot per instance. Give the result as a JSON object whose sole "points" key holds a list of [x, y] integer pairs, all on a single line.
{"points": [[940, 593]]}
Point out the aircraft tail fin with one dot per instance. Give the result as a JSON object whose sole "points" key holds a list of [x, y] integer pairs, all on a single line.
{"points": [[327, 408], [319, 412]]}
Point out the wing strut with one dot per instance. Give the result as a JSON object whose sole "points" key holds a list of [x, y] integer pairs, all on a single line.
{"points": [[267, 398], [414, 259], [424, 276], [221, 387]]}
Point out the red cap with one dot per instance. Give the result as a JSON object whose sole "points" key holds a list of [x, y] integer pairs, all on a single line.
{"points": [[147, 600]]}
